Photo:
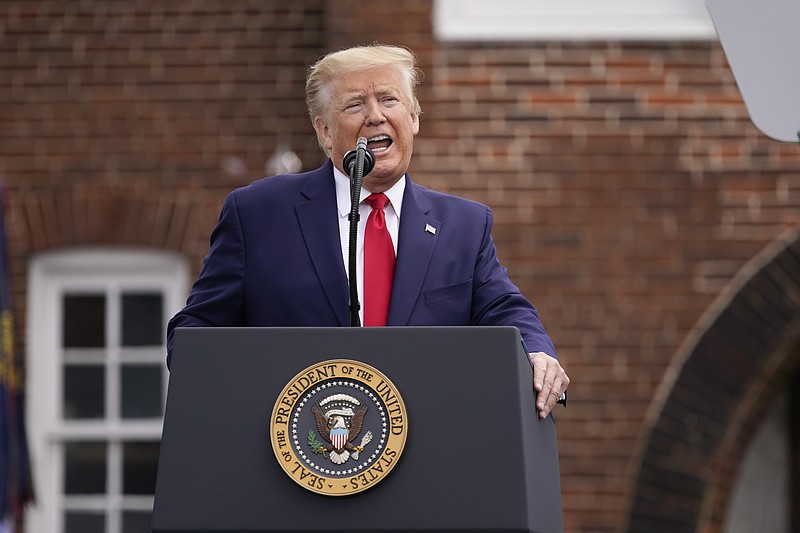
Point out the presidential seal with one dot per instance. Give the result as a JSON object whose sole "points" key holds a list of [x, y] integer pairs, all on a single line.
{"points": [[338, 427]]}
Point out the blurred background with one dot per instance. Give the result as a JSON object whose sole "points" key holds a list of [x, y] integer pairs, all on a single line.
{"points": [[654, 227]]}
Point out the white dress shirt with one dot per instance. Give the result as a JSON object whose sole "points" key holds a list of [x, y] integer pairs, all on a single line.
{"points": [[391, 212]]}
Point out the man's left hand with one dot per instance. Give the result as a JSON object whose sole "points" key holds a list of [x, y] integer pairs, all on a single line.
{"points": [[549, 380]]}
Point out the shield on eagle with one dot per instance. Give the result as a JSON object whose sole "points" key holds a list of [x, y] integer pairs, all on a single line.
{"points": [[339, 438]]}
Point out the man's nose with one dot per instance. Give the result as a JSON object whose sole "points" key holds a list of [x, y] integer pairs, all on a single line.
{"points": [[374, 113]]}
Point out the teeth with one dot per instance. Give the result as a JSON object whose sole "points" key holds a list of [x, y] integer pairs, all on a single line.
{"points": [[379, 138]]}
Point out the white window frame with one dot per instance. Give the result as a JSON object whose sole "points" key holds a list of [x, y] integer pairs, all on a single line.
{"points": [[50, 276], [565, 20]]}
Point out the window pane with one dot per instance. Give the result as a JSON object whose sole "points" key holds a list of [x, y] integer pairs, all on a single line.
{"points": [[141, 391], [84, 391], [76, 522], [84, 321], [142, 319], [85, 468], [140, 461], [136, 522]]}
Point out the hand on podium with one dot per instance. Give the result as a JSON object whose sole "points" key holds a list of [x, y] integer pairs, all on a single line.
{"points": [[550, 382]]}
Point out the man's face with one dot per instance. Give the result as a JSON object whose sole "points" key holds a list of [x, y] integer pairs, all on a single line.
{"points": [[373, 104]]}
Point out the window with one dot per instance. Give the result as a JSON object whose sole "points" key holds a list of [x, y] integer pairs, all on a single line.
{"points": [[96, 385], [516, 20]]}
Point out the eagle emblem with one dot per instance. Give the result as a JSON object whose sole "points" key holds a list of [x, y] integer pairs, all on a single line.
{"points": [[339, 419], [329, 414]]}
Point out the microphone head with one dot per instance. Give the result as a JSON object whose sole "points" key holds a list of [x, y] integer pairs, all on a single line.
{"points": [[349, 160], [369, 161]]}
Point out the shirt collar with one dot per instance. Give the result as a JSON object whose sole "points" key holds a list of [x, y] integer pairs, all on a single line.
{"points": [[395, 193]]}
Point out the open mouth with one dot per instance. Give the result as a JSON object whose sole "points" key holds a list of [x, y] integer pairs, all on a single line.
{"points": [[379, 143]]}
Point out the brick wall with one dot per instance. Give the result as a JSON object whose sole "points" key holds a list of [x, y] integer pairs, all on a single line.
{"points": [[628, 186], [127, 122], [627, 181]]}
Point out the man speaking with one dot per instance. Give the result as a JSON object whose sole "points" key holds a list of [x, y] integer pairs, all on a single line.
{"points": [[279, 252]]}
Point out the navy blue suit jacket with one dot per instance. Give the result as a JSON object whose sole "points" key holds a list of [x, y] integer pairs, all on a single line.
{"points": [[276, 260]]}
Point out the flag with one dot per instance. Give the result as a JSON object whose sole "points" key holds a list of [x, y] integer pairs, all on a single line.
{"points": [[16, 487]]}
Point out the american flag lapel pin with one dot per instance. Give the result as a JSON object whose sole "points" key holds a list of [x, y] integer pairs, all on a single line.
{"points": [[430, 229]]}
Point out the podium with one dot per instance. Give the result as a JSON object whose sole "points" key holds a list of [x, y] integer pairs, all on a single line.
{"points": [[476, 457]]}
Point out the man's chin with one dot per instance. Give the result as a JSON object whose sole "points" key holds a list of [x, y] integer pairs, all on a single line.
{"points": [[380, 182]]}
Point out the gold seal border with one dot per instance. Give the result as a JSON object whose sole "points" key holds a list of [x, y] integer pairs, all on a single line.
{"points": [[282, 412]]}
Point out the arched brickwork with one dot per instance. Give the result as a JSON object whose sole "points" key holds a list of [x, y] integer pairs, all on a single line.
{"points": [[139, 213], [136, 214], [740, 353]]}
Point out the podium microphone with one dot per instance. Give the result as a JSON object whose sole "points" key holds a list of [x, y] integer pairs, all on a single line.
{"points": [[362, 157], [357, 163]]}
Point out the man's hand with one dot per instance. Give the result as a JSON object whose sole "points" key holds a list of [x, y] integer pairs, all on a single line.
{"points": [[549, 380]]}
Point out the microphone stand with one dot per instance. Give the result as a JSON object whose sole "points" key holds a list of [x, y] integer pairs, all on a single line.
{"points": [[358, 163]]}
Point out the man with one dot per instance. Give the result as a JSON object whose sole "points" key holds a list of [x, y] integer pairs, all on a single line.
{"points": [[278, 258]]}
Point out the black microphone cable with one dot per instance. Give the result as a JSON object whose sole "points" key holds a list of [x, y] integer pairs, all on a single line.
{"points": [[357, 163]]}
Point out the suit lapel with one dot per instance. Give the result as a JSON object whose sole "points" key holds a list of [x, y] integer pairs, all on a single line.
{"points": [[317, 217], [416, 241]]}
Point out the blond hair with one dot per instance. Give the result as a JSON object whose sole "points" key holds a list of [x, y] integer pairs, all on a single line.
{"points": [[357, 58]]}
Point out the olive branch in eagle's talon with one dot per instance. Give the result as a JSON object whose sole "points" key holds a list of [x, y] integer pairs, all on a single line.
{"points": [[316, 445]]}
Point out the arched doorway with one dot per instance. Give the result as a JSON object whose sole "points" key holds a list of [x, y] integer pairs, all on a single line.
{"points": [[742, 355]]}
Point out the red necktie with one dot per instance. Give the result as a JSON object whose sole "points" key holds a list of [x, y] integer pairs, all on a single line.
{"points": [[378, 263]]}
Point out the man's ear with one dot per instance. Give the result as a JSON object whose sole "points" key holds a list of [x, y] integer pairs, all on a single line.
{"points": [[323, 132]]}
